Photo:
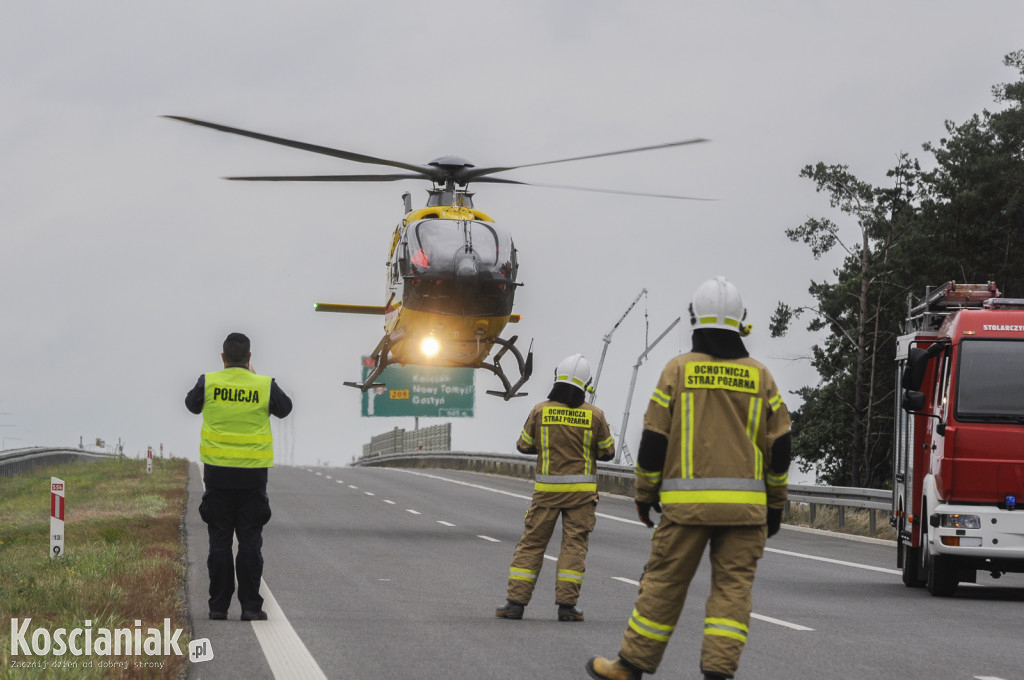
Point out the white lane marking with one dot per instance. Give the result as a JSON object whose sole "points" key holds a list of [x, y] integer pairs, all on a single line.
{"points": [[340, 481], [844, 563], [414, 512], [389, 502], [631, 521], [461, 483], [488, 538], [505, 493], [447, 524], [779, 622], [352, 486], [986, 677], [286, 655], [760, 617], [369, 493], [327, 476], [319, 474]]}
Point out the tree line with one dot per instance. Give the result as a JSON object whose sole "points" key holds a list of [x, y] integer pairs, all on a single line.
{"points": [[962, 219]]}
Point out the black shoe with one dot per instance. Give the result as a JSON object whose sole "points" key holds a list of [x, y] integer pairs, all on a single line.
{"points": [[254, 615], [568, 612], [218, 616], [510, 610], [711, 675]]}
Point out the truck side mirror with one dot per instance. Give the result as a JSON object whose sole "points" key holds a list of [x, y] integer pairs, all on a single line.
{"points": [[912, 401], [913, 372]]}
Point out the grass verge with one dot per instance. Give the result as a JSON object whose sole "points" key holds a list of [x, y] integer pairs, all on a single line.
{"points": [[124, 563]]}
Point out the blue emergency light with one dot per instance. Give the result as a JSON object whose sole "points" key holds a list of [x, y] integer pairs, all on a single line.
{"points": [[1011, 502]]}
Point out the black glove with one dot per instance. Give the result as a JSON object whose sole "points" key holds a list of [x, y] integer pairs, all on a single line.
{"points": [[643, 510], [774, 520]]}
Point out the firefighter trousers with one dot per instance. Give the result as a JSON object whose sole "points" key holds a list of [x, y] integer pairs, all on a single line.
{"points": [[676, 552], [577, 523]]}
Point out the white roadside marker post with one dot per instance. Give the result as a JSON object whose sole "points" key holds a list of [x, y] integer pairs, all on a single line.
{"points": [[149, 460], [56, 517]]}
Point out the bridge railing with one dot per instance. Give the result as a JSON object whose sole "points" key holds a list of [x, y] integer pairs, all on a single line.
{"points": [[17, 461], [619, 479]]}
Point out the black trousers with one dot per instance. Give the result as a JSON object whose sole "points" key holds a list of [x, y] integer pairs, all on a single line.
{"points": [[227, 513]]}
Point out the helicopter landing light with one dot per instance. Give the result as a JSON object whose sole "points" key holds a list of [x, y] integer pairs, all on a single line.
{"points": [[430, 346]]}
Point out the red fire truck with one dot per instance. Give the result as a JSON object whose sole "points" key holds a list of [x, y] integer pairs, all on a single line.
{"points": [[958, 467]]}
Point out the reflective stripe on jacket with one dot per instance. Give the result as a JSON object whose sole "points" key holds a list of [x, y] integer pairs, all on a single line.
{"points": [[236, 420]]}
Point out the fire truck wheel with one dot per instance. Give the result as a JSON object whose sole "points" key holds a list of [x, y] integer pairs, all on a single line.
{"points": [[911, 566], [942, 581]]}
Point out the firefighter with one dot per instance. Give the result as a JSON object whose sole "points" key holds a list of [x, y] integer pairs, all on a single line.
{"points": [[568, 436], [715, 452]]}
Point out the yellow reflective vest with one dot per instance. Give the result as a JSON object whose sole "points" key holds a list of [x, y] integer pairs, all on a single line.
{"points": [[236, 420], [721, 417]]}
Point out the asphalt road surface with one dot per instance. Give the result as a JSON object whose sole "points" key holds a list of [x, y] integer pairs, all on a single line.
{"points": [[389, 573]]}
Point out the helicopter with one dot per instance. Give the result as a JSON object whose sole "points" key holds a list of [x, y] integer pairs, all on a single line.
{"points": [[451, 269]]}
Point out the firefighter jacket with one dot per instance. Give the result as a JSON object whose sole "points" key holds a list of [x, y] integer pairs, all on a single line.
{"points": [[720, 417], [236, 420], [568, 443]]}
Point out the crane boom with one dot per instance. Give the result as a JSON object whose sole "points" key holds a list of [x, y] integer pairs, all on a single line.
{"points": [[608, 340], [623, 449]]}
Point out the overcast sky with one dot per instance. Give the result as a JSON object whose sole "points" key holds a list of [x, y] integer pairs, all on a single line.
{"points": [[125, 259]]}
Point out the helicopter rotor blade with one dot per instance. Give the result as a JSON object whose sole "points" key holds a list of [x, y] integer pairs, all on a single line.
{"points": [[474, 174], [498, 180], [426, 172], [328, 178]]}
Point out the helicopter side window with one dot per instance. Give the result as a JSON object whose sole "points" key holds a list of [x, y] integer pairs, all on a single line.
{"points": [[403, 260]]}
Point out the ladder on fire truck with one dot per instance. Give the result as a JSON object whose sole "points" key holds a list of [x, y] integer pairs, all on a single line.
{"points": [[940, 302]]}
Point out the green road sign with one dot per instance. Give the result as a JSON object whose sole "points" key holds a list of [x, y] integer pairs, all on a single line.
{"points": [[423, 391]]}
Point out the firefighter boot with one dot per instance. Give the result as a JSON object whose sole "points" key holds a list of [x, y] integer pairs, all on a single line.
{"points": [[510, 610], [568, 612], [606, 669]]}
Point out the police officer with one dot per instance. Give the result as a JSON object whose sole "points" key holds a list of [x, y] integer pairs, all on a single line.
{"points": [[236, 448], [715, 450], [568, 437]]}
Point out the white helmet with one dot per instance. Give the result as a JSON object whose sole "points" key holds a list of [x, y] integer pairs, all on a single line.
{"points": [[717, 304], [574, 370]]}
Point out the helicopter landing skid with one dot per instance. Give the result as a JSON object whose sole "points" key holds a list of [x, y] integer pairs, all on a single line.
{"points": [[380, 362], [525, 368], [363, 386]]}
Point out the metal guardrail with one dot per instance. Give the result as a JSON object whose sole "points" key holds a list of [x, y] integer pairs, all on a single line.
{"points": [[17, 461], [619, 479], [842, 497]]}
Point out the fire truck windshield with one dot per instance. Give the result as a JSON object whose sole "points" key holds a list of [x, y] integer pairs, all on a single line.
{"points": [[990, 382]]}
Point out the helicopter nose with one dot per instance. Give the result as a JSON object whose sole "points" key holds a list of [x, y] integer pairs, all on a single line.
{"points": [[466, 268]]}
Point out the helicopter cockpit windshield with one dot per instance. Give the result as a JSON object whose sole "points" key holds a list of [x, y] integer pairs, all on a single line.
{"points": [[460, 267]]}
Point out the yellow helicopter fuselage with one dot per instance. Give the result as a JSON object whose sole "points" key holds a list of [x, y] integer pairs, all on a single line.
{"points": [[442, 330], [450, 286]]}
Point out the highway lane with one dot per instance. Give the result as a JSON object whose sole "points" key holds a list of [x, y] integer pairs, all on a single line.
{"points": [[403, 583]]}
